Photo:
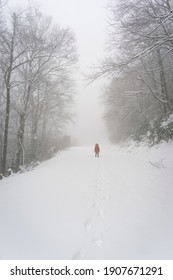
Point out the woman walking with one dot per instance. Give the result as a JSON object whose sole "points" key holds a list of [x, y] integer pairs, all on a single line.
{"points": [[97, 150]]}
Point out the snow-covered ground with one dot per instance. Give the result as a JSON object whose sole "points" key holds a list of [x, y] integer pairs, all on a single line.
{"points": [[76, 206]]}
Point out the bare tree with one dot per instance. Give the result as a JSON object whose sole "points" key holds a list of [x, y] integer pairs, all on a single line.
{"points": [[139, 64], [36, 59], [11, 58], [139, 54], [51, 54], [139, 31]]}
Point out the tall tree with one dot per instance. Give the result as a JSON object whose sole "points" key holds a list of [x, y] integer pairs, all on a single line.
{"points": [[10, 59], [36, 59], [51, 54]]}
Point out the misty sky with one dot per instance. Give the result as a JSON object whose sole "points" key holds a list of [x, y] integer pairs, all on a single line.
{"points": [[87, 18]]}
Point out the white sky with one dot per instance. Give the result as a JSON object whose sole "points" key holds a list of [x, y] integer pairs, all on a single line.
{"points": [[87, 18]]}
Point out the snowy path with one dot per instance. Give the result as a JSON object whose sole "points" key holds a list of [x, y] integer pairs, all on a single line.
{"points": [[75, 206]]}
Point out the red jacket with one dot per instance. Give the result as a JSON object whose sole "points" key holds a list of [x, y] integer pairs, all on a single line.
{"points": [[97, 149]]}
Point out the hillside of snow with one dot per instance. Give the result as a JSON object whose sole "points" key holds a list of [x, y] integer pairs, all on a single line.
{"points": [[76, 206]]}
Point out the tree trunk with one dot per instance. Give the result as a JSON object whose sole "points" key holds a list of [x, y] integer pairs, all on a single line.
{"points": [[8, 91], [5, 143], [20, 151], [167, 106], [34, 137]]}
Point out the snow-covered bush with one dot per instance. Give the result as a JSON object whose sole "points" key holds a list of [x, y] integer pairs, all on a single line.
{"points": [[28, 167], [155, 132]]}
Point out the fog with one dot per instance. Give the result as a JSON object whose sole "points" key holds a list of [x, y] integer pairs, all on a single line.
{"points": [[88, 21]]}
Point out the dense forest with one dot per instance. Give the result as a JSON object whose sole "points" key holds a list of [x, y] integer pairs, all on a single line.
{"points": [[139, 65], [36, 87]]}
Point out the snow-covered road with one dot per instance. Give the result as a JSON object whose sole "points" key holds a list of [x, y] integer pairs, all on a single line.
{"points": [[76, 206]]}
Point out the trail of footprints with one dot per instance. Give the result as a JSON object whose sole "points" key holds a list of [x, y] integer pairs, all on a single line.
{"points": [[98, 212], [90, 224]]}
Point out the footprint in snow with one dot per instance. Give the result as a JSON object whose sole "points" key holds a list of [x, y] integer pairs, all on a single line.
{"points": [[107, 197], [88, 224], [97, 239], [94, 205], [77, 255], [102, 214]]}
